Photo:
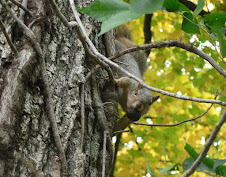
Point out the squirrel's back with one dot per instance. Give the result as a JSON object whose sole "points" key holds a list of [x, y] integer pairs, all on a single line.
{"points": [[124, 40]]}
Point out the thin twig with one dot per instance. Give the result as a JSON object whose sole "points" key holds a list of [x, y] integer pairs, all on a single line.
{"points": [[173, 43], [206, 147], [13, 48], [120, 131], [104, 152], [47, 93], [82, 92], [28, 164], [207, 34], [61, 16], [22, 7], [172, 125]]}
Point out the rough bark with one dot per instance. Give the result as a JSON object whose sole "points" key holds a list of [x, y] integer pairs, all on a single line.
{"points": [[25, 127]]}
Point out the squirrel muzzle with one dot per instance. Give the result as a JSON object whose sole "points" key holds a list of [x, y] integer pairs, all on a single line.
{"points": [[133, 114]]}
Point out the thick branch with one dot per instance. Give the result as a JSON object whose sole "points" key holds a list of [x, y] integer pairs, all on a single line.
{"points": [[207, 146], [173, 43], [147, 31]]}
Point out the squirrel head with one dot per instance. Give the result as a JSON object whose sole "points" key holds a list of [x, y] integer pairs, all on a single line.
{"points": [[139, 102]]}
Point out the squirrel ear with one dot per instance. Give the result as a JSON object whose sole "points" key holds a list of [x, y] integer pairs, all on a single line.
{"points": [[155, 98], [139, 86]]}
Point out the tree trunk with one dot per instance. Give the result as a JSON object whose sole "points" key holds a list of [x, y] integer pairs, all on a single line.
{"points": [[25, 131]]}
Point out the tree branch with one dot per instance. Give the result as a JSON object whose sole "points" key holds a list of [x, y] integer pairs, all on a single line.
{"points": [[172, 125], [173, 43], [13, 48], [47, 93], [120, 131], [147, 31], [61, 16], [206, 148]]}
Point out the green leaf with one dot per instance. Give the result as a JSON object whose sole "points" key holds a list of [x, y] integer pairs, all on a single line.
{"points": [[207, 161], [215, 20], [215, 23], [183, 8], [171, 5], [202, 167], [199, 7], [102, 10], [117, 20], [167, 169], [221, 170], [149, 168], [197, 82], [191, 151], [112, 13], [188, 26], [194, 110], [222, 41], [146, 6]]}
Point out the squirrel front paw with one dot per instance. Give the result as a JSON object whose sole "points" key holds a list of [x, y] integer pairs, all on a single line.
{"points": [[123, 82]]}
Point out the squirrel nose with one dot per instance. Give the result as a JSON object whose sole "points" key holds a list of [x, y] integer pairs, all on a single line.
{"points": [[133, 114]]}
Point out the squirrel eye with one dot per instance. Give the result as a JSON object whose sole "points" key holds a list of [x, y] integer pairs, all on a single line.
{"points": [[136, 92]]}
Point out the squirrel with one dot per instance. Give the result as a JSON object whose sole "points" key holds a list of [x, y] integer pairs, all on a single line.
{"points": [[134, 99]]}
